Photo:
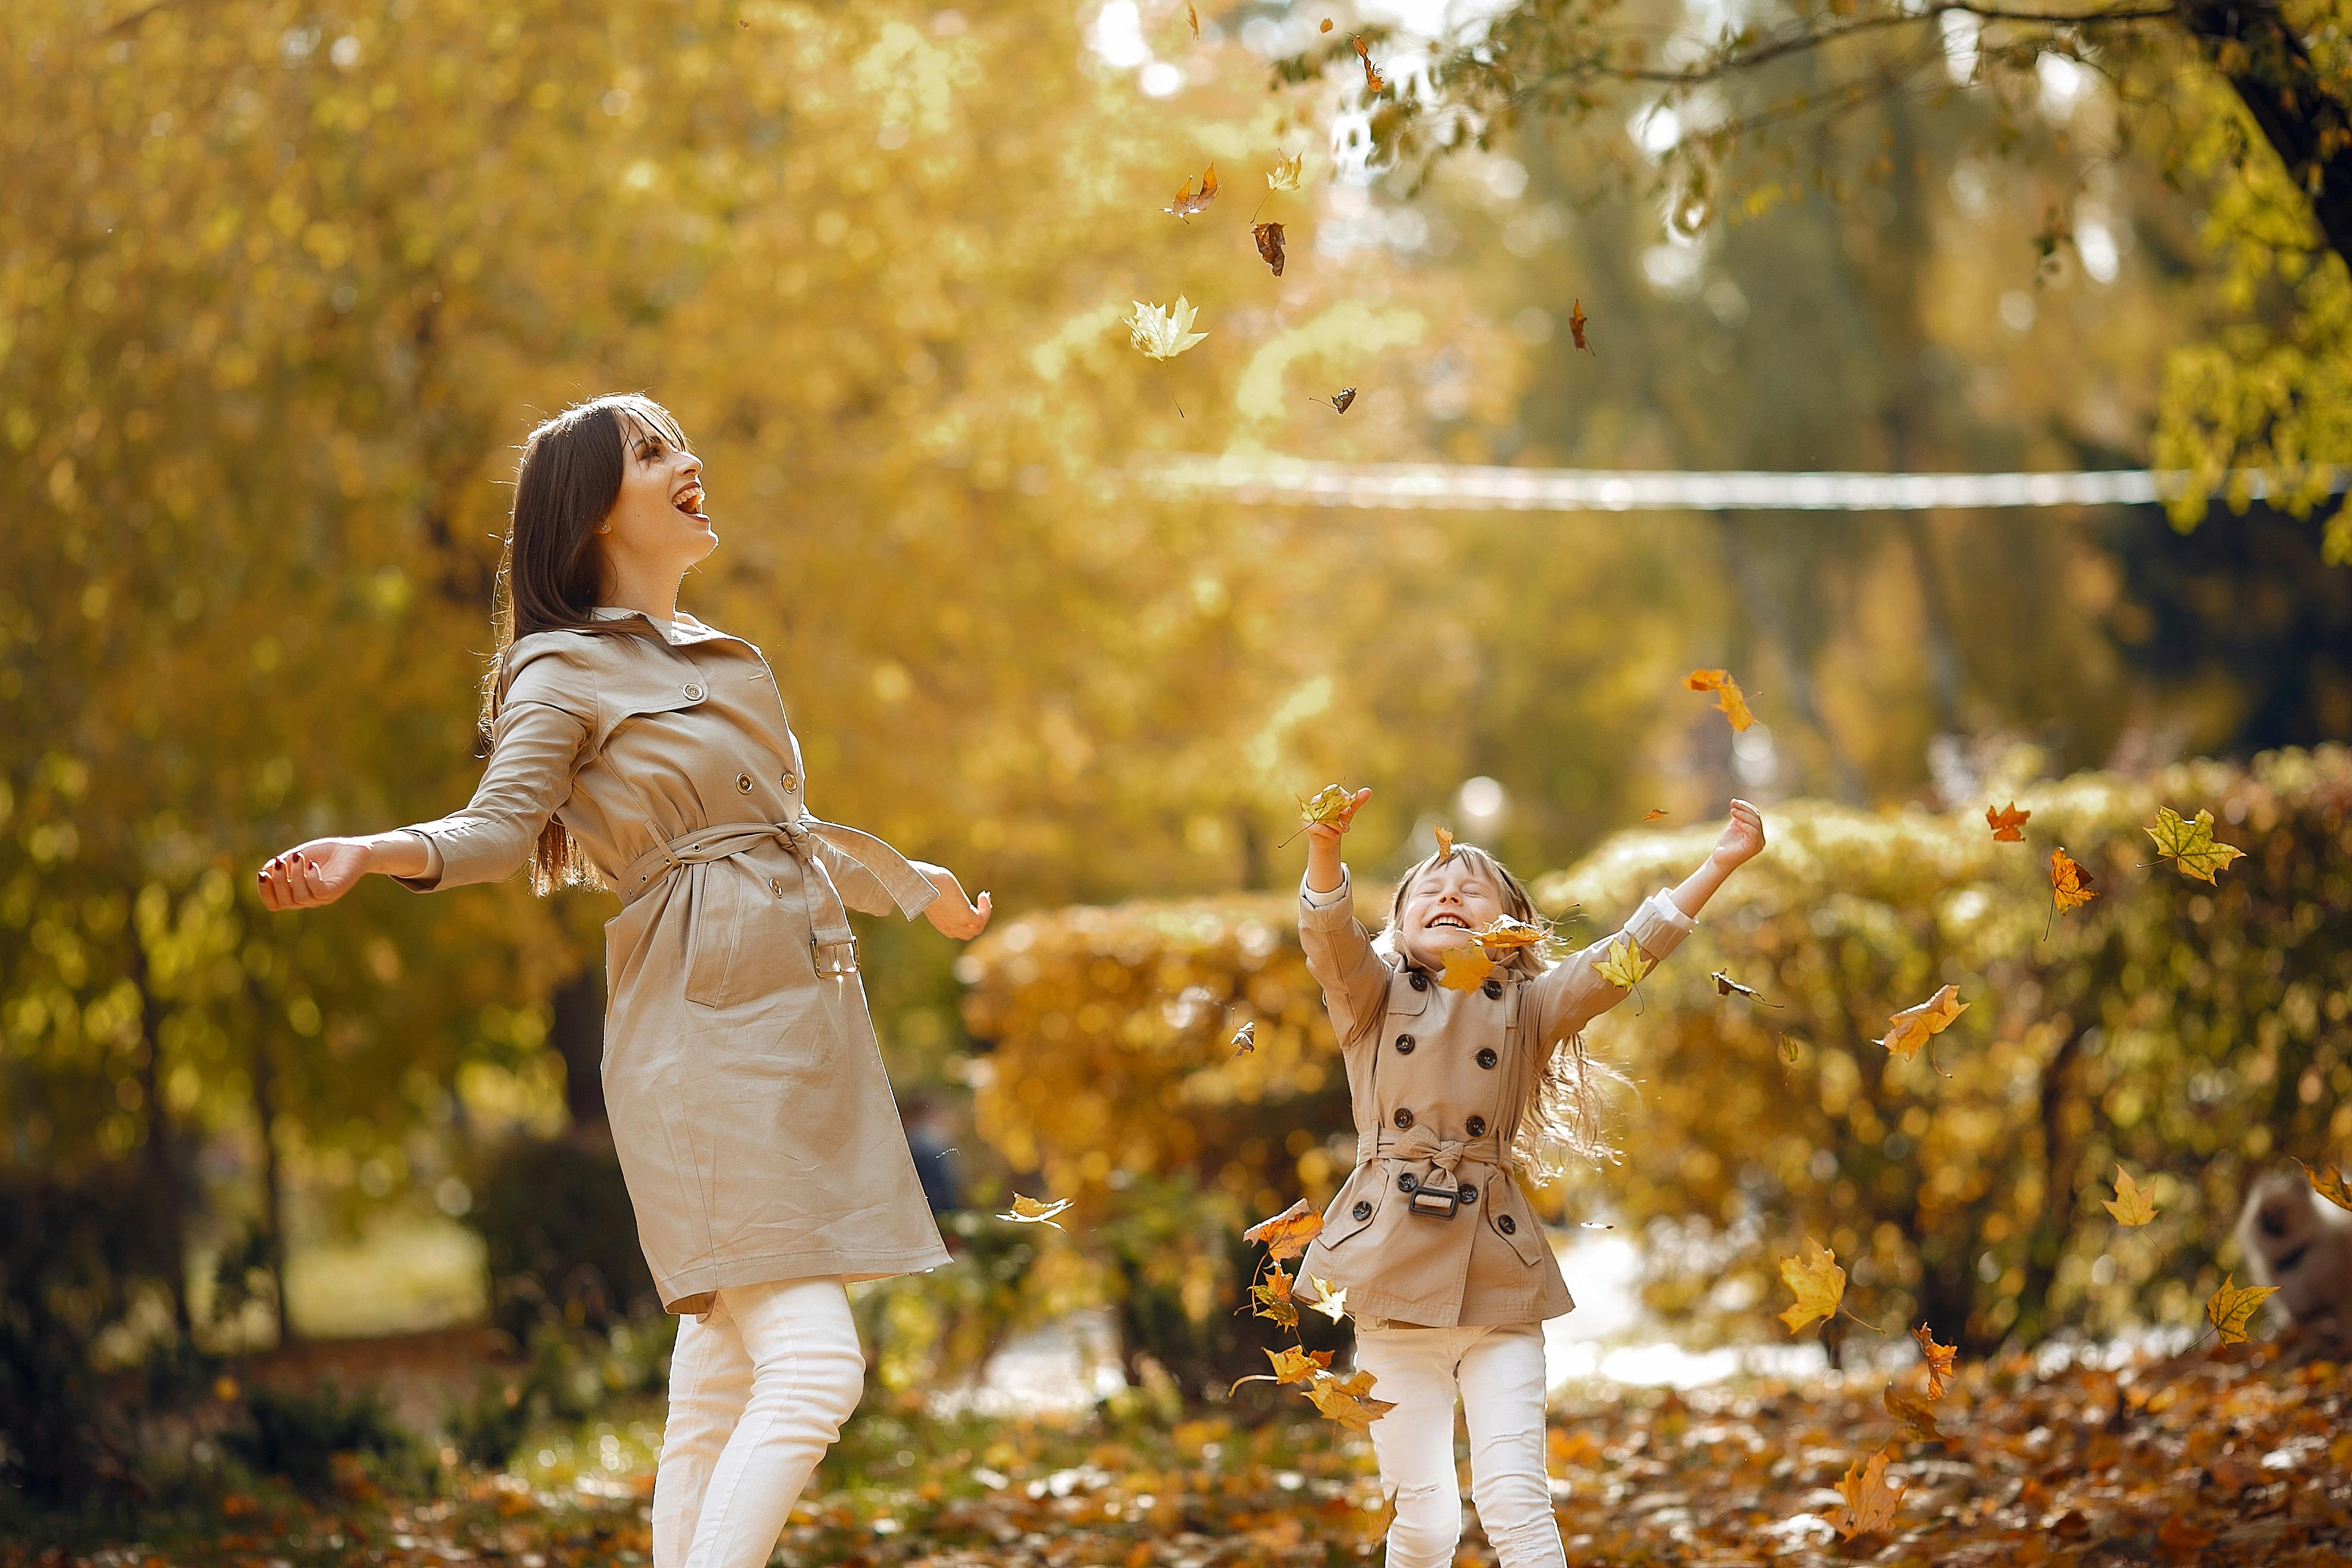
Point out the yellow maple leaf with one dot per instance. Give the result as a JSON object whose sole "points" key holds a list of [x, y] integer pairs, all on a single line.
{"points": [[1162, 332], [1298, 1364], [1915, 1417], [1729, 698], [2329, 1182], [1508, 935], [1445, 844], [1349, 1400], [1914, 1026], [1035, 1211], [1285, 176], [2232, 1307], [1329, 805], [1272, 1295], [1817, 1281], [2069, 885], [1938, 1359], [1332, 1304], [1870, 1500], [1466, 968], [2189, 845], [2131, 1205], [1286, 1233], [1624, 966]]}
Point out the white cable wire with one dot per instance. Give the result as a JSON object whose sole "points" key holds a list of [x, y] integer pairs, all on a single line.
{"points": [[1291, 482]]}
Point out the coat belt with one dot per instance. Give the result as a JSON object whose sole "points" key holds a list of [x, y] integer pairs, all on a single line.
{"points": [[1423, 1142]]}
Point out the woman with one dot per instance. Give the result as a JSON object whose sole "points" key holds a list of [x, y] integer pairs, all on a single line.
{"points": [[635, 748]]}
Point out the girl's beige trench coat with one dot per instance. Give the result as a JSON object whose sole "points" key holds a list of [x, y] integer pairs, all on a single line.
{"points": [[754, 1122], [1431, 1228]]}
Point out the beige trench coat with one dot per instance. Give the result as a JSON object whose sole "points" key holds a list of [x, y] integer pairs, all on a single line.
{"points": [[755, 1125], [1431, 1228]]}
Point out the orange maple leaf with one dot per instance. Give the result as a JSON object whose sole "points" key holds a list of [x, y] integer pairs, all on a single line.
{"points": [[1870, 1500], [1190, 201], [1729, 697], [2069, 885], [1576, 320], [2008, 823], [1938, 1358], [1286, 1233], [1372, 82]]}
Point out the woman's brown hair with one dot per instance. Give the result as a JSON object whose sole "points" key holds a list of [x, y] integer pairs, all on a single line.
{"points": [[552, 576], [1557, 1107]]}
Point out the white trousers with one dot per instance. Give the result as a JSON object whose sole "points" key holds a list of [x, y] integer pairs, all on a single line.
{"points": [[1499, 1374], [757, 1394]]}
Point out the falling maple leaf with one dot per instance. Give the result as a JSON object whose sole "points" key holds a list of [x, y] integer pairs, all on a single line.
{"points": [[1245, 1038], [1870, 1500], [1332, 1304], [1445, 844], [2131, 1205], [2232, 1307], [1273, 1297], [1655, 813], [1326, 26], [1576, 327], [1915, 1026], [1818, 1282], [1729, 697], [1938, 1359], [2189, 845], [1914, 1415], [2329, 1182], [1192, 16], [1285, 176], [1466, 968], [1789, 1052], [1162, 332], [2069, 885], [1624, 966], [1508, 934], [1339, 399], [1286, 1233], [1035, 1211], [1349, 1400], [2008, 823], [1372, 82], [1298, 1364], [1269, 245], [1189, 201], [1725, 985]]}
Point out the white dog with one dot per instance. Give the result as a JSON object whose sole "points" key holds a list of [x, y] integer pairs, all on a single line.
{"points": [[2300, 1242]]}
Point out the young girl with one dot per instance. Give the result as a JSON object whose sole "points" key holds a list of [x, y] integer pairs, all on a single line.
{"points": [[635, 749], [1444, 1266]]}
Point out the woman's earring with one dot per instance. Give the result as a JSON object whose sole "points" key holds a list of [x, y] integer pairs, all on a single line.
{"points": [[604, 528]]}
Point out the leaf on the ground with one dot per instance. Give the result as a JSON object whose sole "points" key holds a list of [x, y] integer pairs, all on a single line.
{"points": [[1269, 245], [1624, 966], [2330, 1182], [1272, 1294], [2178, 1535], [1870, 1500], [2008, 823], [1162, 332], [1372, 82], [2190, 845], [2069, 885], [1817, 1281], [1914, 1026], [1917, 1419], [1937, 1358], [1507, 934], [1245, 1038], [1332, 1304], [1655, 813], [1445, 844], [2232, 1307], [1285, 176], [1329, 805], [1576, 326], [1035, 1211], [1188, 200], [1286, 1233], [1349, 1400], [1729, 698], [2131, 1205], [1725, 985], [1466, 968]]}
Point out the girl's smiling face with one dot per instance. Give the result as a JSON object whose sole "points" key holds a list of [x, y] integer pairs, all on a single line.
{"points": [[1446, 902]]}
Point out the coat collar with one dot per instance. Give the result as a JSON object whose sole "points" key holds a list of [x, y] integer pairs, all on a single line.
{"points": [[680, 633]]}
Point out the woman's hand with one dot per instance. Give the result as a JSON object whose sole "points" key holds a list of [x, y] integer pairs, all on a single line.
{"points": [[954, 914], [1743, 836], [315, 873]]}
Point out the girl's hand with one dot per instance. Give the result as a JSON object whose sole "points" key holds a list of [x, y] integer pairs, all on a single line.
{"points": [[1743, 836], [954, 914], [1329, 832], [313, 874]]}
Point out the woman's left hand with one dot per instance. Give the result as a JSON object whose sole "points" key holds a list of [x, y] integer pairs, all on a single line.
{"points": [[954, 914]]}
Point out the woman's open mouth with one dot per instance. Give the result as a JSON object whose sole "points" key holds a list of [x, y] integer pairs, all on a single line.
{"points": [[689, 501]]}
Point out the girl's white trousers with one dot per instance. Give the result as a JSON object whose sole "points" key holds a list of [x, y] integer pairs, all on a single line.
{"points": [[1499, 1376], [758, 1392]]}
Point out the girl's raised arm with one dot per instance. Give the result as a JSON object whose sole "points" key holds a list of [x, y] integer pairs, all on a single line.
{"points": [[1338, 949]]}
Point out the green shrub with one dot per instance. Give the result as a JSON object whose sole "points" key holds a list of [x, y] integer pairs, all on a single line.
{"points": [[559, 1236], [297, 1433]]}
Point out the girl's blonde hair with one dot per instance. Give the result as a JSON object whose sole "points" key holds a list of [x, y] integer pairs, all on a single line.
{"points": [[1558, 1106]]}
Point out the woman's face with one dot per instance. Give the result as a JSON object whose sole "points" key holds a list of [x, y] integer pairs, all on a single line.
{"points": [[1450, 900], [656, 525]]}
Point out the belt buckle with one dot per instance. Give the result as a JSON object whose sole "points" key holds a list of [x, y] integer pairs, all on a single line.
{"points": [[1436, 1203], [835, 959]]}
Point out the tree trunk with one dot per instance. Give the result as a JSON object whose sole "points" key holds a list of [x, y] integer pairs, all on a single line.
{"points": [[265, 1116], [576, 1029], [2255, 48], [157, 1154]]}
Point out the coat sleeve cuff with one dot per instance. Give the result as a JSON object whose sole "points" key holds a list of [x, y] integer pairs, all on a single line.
{"points": [[429, 880], [1341, 898], [1659, 925]]}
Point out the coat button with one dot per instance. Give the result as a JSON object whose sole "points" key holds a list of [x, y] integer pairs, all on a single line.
{"points": [[1493, 988], [1469, 1194], [1364, 1210], [1506, 1225], [1408, 1183], [1404, 1045], [1418, 981], [694, 694], [1487, 1058], [789, 780], [743, 784], [1403, 1117], [1475, 1126]]}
